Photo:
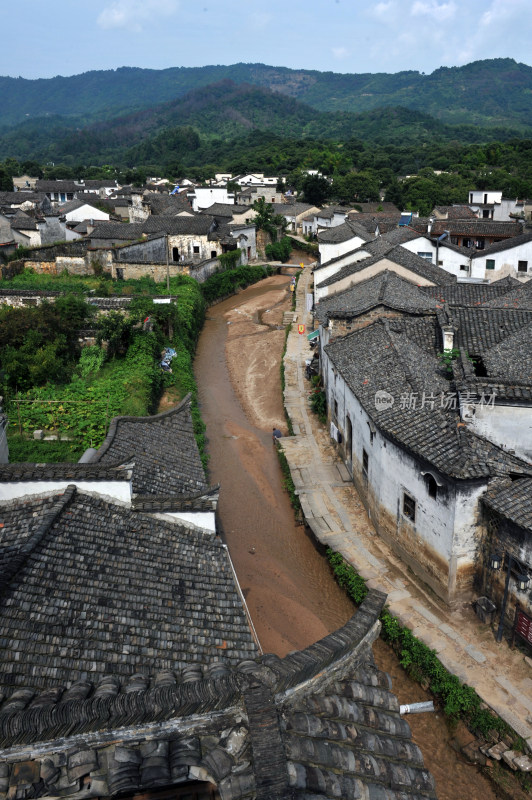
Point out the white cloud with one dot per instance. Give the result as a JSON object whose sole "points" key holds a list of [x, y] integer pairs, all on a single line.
{"points": [[260, 20], [132, 14], [340, 52], [502, 11], [383, 9], [431, 8]]}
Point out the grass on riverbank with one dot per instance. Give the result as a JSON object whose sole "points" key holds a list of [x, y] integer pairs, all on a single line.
{"points": [[459, 701], [130, 384]]}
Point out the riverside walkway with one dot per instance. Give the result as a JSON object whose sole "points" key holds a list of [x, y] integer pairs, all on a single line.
{"points": [[335, 514]]}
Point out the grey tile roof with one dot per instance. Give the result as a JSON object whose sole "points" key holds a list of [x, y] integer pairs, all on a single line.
{"points": [[511, 358], [166, 204], [479, 329], [199, 224], [512, 499], [456, 212], [117, 231], [365, 749], [23, 222], [383, 221], [18, 198], [164, 450], [381, 357], [291, 209], [507, 244], [320, 723], [43, 185], [342, 233], [385, 289], [225, 210], [73, 205], [398, 255], [519, 297], [471, 294], [101, 588], [373, 208], [62, 471], [379, 245], [477, 227]]}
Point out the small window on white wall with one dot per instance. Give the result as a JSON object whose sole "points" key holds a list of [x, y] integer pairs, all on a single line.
{"points": [[430, 483], [409, 507], [426, 255]]}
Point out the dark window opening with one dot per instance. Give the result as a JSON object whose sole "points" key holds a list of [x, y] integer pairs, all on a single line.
{"points": [[191, 790], [119, 273], [490, 263], [365, 464], [486, 213], [213, 253], [479, 366], [348, 438], [336, 410], [175, 253], [409, 507], [195, 249], [432, 486], [522, 266]]}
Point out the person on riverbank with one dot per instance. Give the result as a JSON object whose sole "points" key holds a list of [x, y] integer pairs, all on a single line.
{"points": [[276, 435]]}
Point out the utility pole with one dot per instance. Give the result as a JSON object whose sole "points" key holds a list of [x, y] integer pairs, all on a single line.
{"points": [[167, 265]]}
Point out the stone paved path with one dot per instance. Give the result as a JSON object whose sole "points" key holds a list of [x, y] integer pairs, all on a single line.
{"points": [[338, 519]]}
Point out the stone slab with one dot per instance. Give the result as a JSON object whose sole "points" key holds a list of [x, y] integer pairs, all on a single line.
{"points": [[507, 684], [343, 471], [475, 654], [428, 615], [397, 595]]}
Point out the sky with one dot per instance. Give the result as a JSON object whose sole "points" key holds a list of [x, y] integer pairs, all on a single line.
{"points": [[44, 38]]}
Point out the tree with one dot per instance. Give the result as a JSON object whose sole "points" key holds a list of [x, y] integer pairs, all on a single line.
{"points": [[266, 219], [6, 181], [316, 189]]}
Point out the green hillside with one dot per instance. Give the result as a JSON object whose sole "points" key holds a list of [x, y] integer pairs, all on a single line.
{"points": [[491, 92], [220, 113]]}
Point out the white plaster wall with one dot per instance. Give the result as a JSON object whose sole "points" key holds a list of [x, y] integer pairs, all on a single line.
{"points": [[199, 519], [329, 251], [450, 260], [392, 471], [505, 263], [205, 196], [509, 427], [477, 196], [373, 269], [328, 270], [86, 212], [117, 490]]}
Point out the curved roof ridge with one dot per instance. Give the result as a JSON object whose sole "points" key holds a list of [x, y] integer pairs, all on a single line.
{"points": [[112, 703], [49, 517], [113, 426]]}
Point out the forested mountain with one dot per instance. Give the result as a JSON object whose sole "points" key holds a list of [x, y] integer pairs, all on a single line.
{"points": [[495, 92], [219, 113]]}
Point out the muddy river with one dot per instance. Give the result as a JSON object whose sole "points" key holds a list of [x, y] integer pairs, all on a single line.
{"points": [[291, 594]]}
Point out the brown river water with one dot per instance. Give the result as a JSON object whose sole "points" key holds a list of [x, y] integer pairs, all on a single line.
{"points": [[292, 596]]}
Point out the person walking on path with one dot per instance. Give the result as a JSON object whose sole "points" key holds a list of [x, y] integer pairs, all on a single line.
{"points": [[276, 435]]}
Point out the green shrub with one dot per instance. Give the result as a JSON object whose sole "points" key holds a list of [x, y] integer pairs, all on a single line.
{"points": [[458, 699], [318, 403], [279, 251], [223, 284]]}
